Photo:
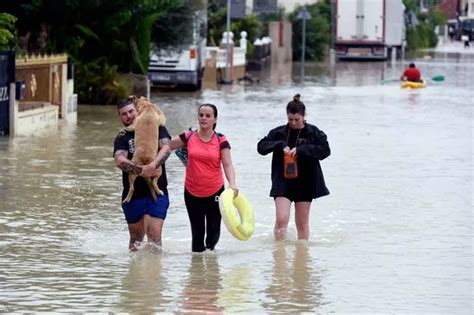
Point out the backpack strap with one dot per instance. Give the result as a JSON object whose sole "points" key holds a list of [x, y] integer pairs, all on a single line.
{"points": [[183, 136], [182, 153]]}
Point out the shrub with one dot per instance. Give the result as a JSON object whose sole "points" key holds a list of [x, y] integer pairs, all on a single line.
{"points": [[7, 31]]}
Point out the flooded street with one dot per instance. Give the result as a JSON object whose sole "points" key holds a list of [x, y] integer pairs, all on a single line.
{"points": [[394, 235]]}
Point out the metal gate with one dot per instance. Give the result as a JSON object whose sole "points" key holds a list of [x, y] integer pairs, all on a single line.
{"points": [[7, 76]]}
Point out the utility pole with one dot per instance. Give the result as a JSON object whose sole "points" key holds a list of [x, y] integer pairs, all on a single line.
{"points": [[227, 79], [303, 15], [332, 52]]}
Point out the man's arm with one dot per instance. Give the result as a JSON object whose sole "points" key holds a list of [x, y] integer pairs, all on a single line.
{"points": [[123, 163], [403, 76], [162, 155]]}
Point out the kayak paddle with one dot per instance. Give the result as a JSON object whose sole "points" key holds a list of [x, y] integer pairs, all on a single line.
{"points": [[437, 78]]}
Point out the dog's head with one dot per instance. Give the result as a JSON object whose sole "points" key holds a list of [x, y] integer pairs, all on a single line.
{"points": [[142, 103]]}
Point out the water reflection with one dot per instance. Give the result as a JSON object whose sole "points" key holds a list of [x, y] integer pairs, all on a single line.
{"points": [[412, 98], [201, 289], [143, 285], [349, 73], [295, 285], [237, 293], [280, 73]]}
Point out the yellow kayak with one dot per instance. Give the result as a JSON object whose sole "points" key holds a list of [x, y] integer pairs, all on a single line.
{"points": [[413, 85]]}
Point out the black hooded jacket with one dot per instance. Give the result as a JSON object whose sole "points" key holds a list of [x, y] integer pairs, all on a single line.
{"points": [[311, 147]]}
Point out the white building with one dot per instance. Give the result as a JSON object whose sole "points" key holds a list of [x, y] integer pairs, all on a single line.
{"points": [[469, 5], [289, 5]]}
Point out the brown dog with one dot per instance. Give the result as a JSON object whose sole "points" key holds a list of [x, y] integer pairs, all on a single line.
{"points": [[146, 124]]}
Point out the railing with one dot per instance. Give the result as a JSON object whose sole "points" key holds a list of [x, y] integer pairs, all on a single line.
{"points": [[238, 56], [216, 61]]}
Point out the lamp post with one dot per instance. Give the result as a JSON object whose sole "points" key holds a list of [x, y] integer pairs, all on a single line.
{"points": [[332, 52], [227, 79], [303, 15]]}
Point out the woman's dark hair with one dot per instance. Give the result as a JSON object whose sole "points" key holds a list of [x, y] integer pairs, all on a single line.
{"points": [[411, 65], [296, 106], [214, 109]]}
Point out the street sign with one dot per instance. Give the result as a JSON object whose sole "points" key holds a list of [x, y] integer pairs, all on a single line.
{"points": [[303, 15], [265, 6], [237, 9]]}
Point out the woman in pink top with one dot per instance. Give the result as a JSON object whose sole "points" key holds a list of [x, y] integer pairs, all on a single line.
{"points": [[204, 182]]}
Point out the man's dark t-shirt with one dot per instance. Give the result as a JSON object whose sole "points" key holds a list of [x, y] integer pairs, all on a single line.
{"points": [[125, 141]]}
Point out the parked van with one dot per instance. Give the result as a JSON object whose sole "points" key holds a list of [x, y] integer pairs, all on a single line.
{"points": [[467, 28], [182, 65]]}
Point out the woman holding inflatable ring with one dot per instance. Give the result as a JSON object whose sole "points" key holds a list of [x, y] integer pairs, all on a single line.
{"points": [[204, 182]]}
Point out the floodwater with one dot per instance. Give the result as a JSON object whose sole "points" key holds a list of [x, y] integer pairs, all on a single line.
{"points": [[394, 236]]}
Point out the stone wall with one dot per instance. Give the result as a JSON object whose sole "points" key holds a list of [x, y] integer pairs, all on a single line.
{"points": [[281, 33]]}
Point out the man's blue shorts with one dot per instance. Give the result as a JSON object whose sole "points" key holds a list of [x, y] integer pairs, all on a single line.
{"points": [[135, 209]]}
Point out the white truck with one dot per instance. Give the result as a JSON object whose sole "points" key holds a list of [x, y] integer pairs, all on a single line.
{"points": [[182, 65], [369, 29]]}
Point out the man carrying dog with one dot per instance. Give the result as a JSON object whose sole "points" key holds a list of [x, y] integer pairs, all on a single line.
{"points": [[143, 215]]}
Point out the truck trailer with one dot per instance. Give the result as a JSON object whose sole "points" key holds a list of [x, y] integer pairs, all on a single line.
{"points": [[369, 29]]}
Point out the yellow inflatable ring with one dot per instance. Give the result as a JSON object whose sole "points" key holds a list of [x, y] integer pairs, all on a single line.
{"points": [[413, 85], [237, 214]]}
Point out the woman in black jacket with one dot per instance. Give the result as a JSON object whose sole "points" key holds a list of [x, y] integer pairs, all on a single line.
{"points": [[300, 183]]}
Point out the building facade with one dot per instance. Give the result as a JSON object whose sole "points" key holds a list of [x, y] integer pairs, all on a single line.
{"points": [[467, 8], [288, 5]]}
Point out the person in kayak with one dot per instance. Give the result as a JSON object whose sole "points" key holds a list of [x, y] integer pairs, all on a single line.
{"points": [[412, 74]]}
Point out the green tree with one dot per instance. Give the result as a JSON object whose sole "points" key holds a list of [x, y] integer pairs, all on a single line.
{"points": [[216, 21], [7, 31], [217, 14], [318, 31], [175, 28], [97, 35], [411, 5], [423, 34]]}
